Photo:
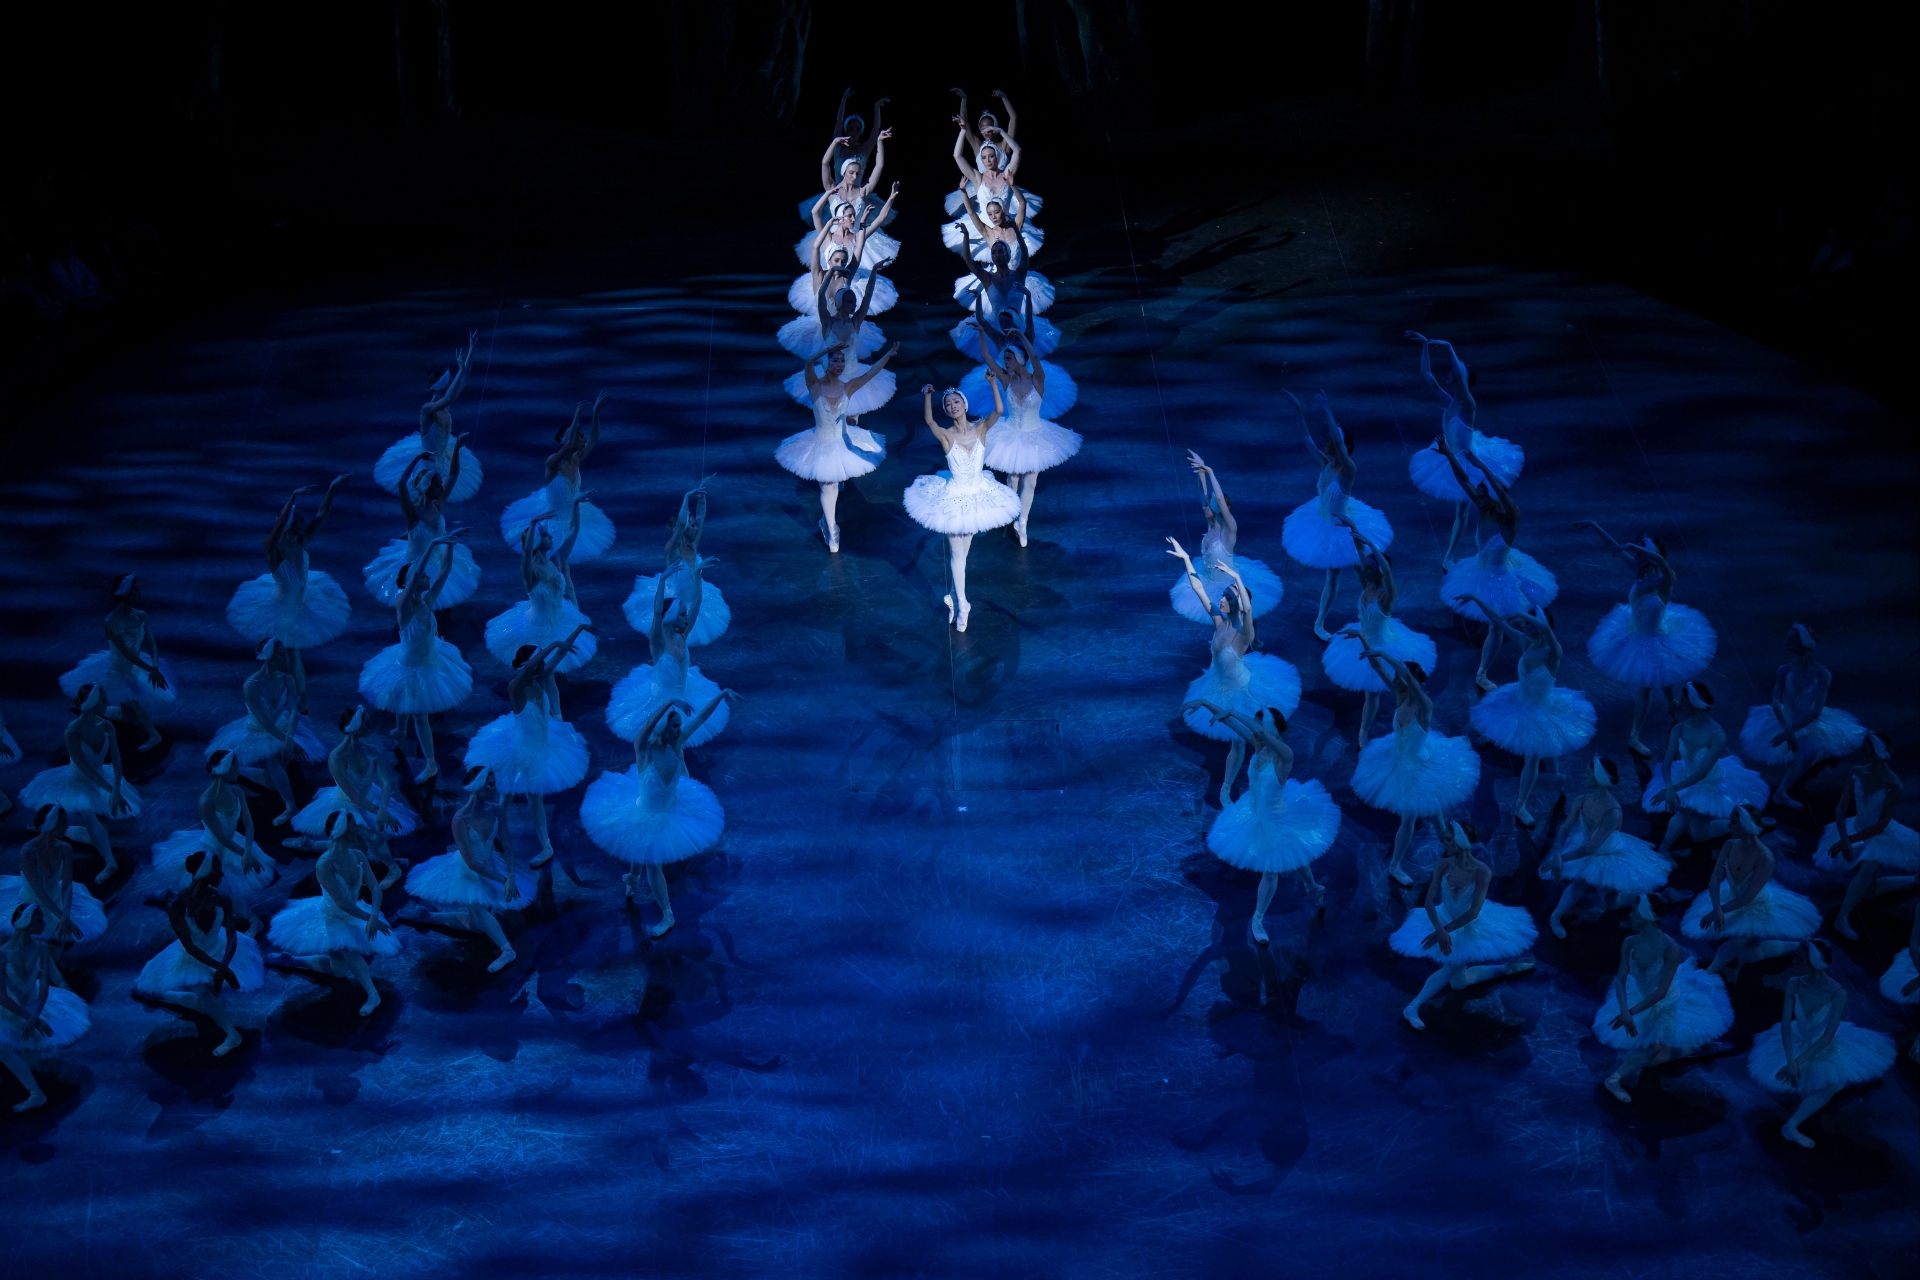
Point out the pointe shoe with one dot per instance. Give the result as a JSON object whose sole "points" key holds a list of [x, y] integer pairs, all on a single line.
{"points": [[1400, 877], [427, 774], [373, 1002], [1523, 965], [542, 858], [662, 929], [1486, 685], [284, 818], [1525, 819], [1325, 636], [965, 609], [505, 958], [1612, 1085], [1412, 1014], [32, 1100], [1258, 929], [1020, 531], [1639, 748], [1782, 798], [1792, 1134], [949, 603], [227, 1045], [830, 534]]}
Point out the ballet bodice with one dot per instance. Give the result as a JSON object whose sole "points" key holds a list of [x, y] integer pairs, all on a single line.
{"points": [[355, 766], [543, 601], [1643, 976], [1023, 411], [279, 700], [1455, 900], [1802, 692], [1866, 807], [1373, 624], [669, 676], [964, 463], [1648, 610], [1409, 737], [659, 782], [436, 438], [429, 526], [1227, 660], [560, 491], [830, 415], [1268, 794], [1691, 756], [1536, 680], [290, 575], [1736, 883], [417, 634], [213, 941], [1214, 553], [1333, 501], [1493, 554], [534, 719]]}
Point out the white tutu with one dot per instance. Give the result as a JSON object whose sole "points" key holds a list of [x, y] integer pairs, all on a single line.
{"points": [[880, 248], [1023, 442], [541, 620], [88, 916], [1623, 863], [1246, 684], [327, 801], [1893, 983], [708, 627], [63, 785], [440, 683], [1677, 651], [630, 818], [1346, 668], [637, 694], [1776, 913], [65, 1015], [1714, 796], [1695, 1012], [1263, 588], [1510, 581], [383, 570], [446, 880], [596, 530], [969, 502], [1275, 829], [1563, 723], [1422, 780], [530, 752], [802, 297], [966, 337], [170, 860], [802, 336], [260, 609], [872, 202], [1062, 391], [957, 233], [119, 679], [174, 970], [831, 451], [1854, 1056], [868, 398], [1895, 849], [314, 926], [1835, 734], [1499, 932], [957, 202], [1039, 291], [1434, 477], [1315, 541], [399, 456], [253, 744]]}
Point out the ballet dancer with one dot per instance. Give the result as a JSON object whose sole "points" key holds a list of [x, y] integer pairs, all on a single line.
{"points": [[1649, 642], [1499, 573], [362, 784], [1003, 331], [36, 1016], [1021, 444], [832, 452], [1415, 772], [423, 506], [1812, 1051], [225, 834], [561, 493], [1661, 1006], [987, 122], [825, 278], [857, 232], [964, 499], [991, 180], [551, 610], [435, 436], [1901, 982], [652, 813], [1863, 837], [211, 947], [297, 605], [1280, 824], [92, 785], [335, 934], [273, 731], [1343, 660], [1239, 679], [128, 671], [670, 677], [840, 175], [422, 674], [532, 752], [69, 912], [1799, 729], [1491, 456], [683, 548], [1697, 782], [1003, 282], [1001, 220], [1535, 717], [842, 325], [1322, 534], [1754, 918], [1593, 849], [1015, 347], [854, 128], [1477, 940], [1217, 547], [477, 877]]}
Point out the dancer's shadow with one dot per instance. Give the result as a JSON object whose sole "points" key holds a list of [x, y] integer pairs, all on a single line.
{"points": [[27, 1132], [194, 1086]]}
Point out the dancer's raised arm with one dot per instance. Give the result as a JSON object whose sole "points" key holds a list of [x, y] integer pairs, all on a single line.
{"points": [[872, 371], [828, 178]]}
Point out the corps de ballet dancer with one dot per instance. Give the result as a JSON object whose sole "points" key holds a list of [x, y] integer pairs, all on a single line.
{"points": [[1812, 1051], [1217, 553], [824, 279], [1016, 349], [683, 548], [435, 436], [1344, 660], [1322, 533], [36, 1015], [225, 834], [1535, 717], [272, 731], [477, 877], [561, 493], [852, 135], [1592, 848], [831, 451], [1020, 443], [335, 933], [986, 122], [1661, 1006], [670, 677], [847, 178], [531, 750], [1697, 782], [1237, 678], [69, 912], [844, 328], [551, 611], [1864, 838], [423, 506], [361, 783], [1798, 729], [998, 221], [128, 671], [855, 231], [652, 813], [1281, 824], [1500, 574], [838, 316], [1649, 642], [422, 674], [1415, 772], [996, 159], [1487, 455], [1743, 908], [92, 785], [964, 499], [1472, 939], [1002, 282], [291, 602], [1014, 327], [1900, 984], [211, 948]]}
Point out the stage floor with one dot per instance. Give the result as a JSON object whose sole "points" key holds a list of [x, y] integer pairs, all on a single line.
{"points": [[962, 993]]}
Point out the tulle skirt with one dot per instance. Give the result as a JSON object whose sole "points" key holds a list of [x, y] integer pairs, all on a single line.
{"points": [[956, 202], [87, 915], [390, 683], [529, 758], [1729, 784], [880, 247], [1414, 787], [1499, 932], [1516, 587], [1024, 450], [1835, 734], [120, 682], [634, 699], [65, 1015], [596, 530], [957, 233], [1893, 983], [1854, 1056], [971, 506], [618, 819], [63, 785], [1061, 392], [393, 465], [1895, 849], [868, 398], [1346, 668], [1777, 913], [1623, 863], [252, 744], [1039, 291], [802, 298], [802, 336], [1318, 543], [314, 926], [1263, 588], [1678, 652], [174, 970], [529, 624], [1256, 837], [1563, 723], [966, 338], [708, 627], [327, 801], [446, 880], [258, 612], [1695, 1012], [828, 457], [1434, 477], [383, 570], [170, 860], [1268, 682]]}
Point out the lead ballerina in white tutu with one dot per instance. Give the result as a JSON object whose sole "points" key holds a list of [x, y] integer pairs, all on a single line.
{"points": [[1322, 534], [335, 933], [1217, 553], [129, 670], [1660, 1008], [964, 499], [1812, 1051], [1698, 782], [561, 493], [422, 675], [477, 877], [36, 1017], [670, 677], [210, 949], [1471, 939], [653, 813], [1535, 717], [1416, 773], [1238, 679], [532, 751], [435, 436], [1863, 837], [1649, 642], [423, 507], [1489, 455], [551, 612], [683, 549], [1754, 918], [832, 452], [1592, 848], [299, 606], [1500, 574], [1344, 661], [1021, 444], [1798, 729], [92, 785]]}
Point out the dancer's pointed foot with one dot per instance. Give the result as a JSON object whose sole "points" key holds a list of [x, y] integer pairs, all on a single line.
{"points": [[1525, 819], [1559, 929], [1780, 797], [111, 869], [1638, 747], [949, 603], [660, 930], [1523, 965], [428, 772], [1486, 685], [1790, 1133], [373, 1002], [1320, 630], [830, 534], [502, 961], [32, 1100], [1615, 1088], [285, 816], [541, 858], [1258, 928], [960, 623], [1400, 877], [1020, 531], [1844, 927], [153, 740], [1412, 1014], [228, 1045]]}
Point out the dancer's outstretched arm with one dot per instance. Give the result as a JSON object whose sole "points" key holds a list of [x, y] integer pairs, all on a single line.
{"points": [[872, 371]]}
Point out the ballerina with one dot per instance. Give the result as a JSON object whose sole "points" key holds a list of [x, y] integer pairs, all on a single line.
{"points": [[551, 610], [841, 174], [1416, 772], [424, 508], [1478, 940], [964, 499], [335, 933], [1018, 352], [225, 834], [1499, 573], [683, 548], [1343, 661], [1901, 982], [1649, 642], [1812, 1051], [69, 912], [362, 784], [531, 750], [841, 323], [1002, 281], [854, 128], [273, 731], [299, 606], [1490, 456], [422, 674], [1245, 682], [92, 784], [1799, 729], [863, 393], [435, 436], [991, 178], [670, 677], [561, 493], [1661, 1006], [210, 947], [128, 671], [36, 1016], [1217, 546], [987, 121], [831, 452], [1008, 331], [653, 813], [853, 230], [825, 277], [1755, 918], [477, 877], [1022, 444], [1001, 219], [1593, 849], [1864, 835], [1697, 782], [1322, 534], [1535, 717]]}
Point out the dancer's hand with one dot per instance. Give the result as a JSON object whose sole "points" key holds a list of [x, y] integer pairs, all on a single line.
{"points": [[1421, 338], [1624, 1022], [306, 489], [341, 479], [837, 141], [927, 390], [956, 118], [1195, 461], [732, 697], [886, 133], [1179, 551]]}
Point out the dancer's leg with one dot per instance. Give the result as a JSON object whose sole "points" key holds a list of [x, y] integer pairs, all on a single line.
{"points": [[1326, 601], [1802, 1113], [1401, 840], [483, 921], [276, 772], [351, 964], [1025, 486], [538, 803], [1236, 756], [1472, 975], [1803, 760], [957, 546], [658, 879], [1640, 701], [1369, 712], [829, 507], [142, 721], [1567, 901], [423, 734], [1488, 648], [1627, 1070], [1453, 539], [1434, 984], [215, 1009], [1263, 898], [17, 1065], [1529, 774]]}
